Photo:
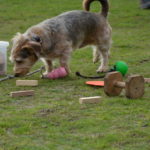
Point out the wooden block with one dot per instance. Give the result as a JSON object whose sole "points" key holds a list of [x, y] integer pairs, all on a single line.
{"points": [[90, 100], [22, 93], [147, 80], [26, 82]]}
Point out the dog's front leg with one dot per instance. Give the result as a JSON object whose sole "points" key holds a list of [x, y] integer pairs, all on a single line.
{"points": [[64, 62], [48, 65]]}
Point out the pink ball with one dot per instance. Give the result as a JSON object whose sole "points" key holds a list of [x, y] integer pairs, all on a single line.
{"points": [[57, 73]]}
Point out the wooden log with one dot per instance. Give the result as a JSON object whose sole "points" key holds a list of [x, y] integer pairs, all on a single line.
{"points": [[90, 100], [22, 93], [27, 82]]}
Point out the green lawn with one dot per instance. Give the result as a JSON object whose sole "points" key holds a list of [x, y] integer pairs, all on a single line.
{"points": [[53, 119]]}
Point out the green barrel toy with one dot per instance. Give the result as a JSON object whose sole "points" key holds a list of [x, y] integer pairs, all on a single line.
{"points": [[121, 67]]}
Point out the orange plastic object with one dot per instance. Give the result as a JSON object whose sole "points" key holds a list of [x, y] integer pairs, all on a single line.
{"points": [[95, 83]]}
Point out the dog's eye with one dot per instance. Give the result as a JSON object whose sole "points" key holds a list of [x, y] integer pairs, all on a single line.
{"points": [[37, 39]]}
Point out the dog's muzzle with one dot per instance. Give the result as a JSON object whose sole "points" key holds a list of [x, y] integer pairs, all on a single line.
{"points": [[21, 72]]}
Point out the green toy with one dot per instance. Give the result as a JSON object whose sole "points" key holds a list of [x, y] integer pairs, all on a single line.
{"points": [[121, 67]]}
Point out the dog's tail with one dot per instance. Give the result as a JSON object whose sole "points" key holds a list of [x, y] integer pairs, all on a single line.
{"points": [[104, 3]]}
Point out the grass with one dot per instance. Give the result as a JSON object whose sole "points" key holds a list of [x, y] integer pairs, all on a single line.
{"points": [[53, 119]]}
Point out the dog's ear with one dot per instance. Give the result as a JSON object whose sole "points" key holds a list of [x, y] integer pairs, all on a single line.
{"points": [[25, 52], [30, 48], [36, 46]]}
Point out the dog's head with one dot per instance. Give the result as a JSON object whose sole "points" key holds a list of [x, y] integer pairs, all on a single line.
{"points": [[24, 53]]}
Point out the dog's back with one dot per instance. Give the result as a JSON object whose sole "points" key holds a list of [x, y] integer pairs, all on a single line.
{"points": [[76, 25], [81, 27]]}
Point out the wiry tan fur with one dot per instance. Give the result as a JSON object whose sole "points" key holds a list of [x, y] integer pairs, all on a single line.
{"points": [[59, 36]]}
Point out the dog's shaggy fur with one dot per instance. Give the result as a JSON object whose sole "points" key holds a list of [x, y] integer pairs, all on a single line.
{"points": [[59, 36]]}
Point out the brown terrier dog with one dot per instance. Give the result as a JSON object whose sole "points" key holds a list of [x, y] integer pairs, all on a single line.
{"points": [[59, 36]]}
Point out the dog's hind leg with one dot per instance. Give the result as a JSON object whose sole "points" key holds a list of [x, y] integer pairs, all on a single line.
{"points": [[96, 54], [104, 53]]}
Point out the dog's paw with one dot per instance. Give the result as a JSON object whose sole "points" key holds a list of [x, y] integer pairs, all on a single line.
{"points": [[44, 74], [102, 69], [67, 70]]}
